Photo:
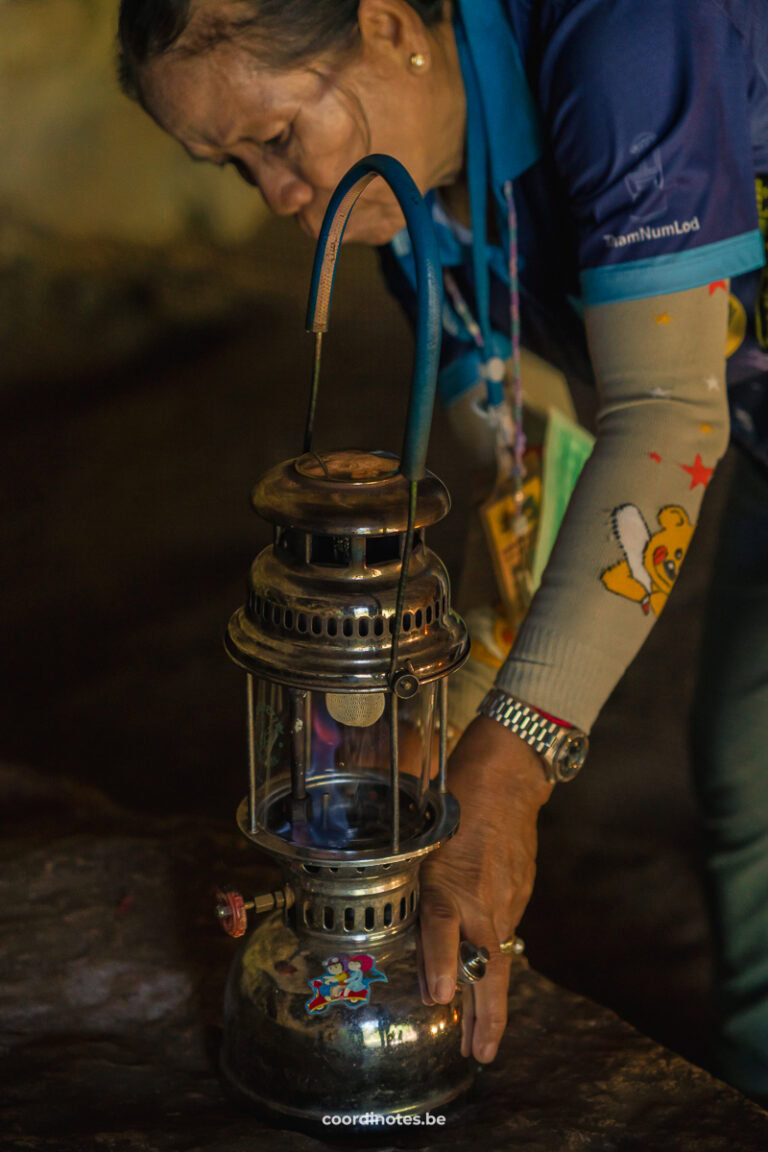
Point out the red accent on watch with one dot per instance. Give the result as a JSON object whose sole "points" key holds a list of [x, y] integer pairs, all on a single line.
{"points": [[554, 719]]}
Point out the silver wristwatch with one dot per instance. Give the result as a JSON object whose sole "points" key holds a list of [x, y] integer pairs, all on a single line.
{"points": [[562, 749]]}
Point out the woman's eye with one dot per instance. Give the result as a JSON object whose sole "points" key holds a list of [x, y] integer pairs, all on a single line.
{"points": [[240, 168], [281, 140]]}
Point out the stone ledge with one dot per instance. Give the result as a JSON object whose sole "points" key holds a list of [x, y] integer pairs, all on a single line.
{"points": [[110, 1008]]}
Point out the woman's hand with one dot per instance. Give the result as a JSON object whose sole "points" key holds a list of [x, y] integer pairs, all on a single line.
{"points": [[477, 886]]}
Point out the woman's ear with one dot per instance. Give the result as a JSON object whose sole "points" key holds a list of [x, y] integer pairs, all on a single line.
{"points": [[392, 29]]}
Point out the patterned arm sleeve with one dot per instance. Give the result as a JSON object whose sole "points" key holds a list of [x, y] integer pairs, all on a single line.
{"points": [[662, 427]]}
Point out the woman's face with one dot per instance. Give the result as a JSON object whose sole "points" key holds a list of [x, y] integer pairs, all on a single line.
{"points": [[294, 133]]}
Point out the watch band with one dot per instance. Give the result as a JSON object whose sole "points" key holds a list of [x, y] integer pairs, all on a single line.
{"points": [[563, 749]]}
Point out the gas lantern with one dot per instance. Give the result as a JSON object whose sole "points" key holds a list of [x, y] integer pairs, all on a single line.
{"points": [[347, 638]]}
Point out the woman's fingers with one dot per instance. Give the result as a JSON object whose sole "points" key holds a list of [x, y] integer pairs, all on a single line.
{"points": [[477, 886], [440, 942], [485, 1003], [425, 996], [490, 1008], [467, 1018]]}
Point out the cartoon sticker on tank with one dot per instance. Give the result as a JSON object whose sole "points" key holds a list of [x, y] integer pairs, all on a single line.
{"points": [[347, 980]]}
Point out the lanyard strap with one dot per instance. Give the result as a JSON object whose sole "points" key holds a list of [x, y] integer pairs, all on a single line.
{"points": [[477, 180], [510, 434], [514, 330]]}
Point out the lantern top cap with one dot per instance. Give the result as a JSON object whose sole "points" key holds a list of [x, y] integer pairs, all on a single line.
{"points": [[348, 466], [346, 492]]}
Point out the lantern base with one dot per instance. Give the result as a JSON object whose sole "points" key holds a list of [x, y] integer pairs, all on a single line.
{"points": [[315, 1028], [320, 1116]]}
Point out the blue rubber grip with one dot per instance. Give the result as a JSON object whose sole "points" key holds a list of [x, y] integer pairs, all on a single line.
{"points": [[428, 285]]}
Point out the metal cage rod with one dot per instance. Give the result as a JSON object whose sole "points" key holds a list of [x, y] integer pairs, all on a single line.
{"points": [[251, 750], [443, 745], [413, 491], [271, 704], [300, 744], [394, 755]]}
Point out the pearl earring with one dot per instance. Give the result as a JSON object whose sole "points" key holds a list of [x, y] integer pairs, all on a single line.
{"points": [[417, 60]]}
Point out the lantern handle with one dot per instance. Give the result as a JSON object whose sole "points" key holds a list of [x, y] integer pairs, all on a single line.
{"points": [[428, 287]]}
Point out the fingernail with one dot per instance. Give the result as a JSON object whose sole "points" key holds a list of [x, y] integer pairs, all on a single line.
{"points": [[444, 989], [487, 1054]]}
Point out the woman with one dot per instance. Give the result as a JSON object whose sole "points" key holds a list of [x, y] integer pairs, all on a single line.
{"points": [[620, 142]]}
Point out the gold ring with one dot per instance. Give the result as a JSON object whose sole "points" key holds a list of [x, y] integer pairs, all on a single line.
{"points": [[514, 946]]}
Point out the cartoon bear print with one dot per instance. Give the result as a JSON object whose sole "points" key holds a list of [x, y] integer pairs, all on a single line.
{"points": [[651, 562]]}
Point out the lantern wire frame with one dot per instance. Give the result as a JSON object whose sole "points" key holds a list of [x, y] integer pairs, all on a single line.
{"points": [[411, 465]]}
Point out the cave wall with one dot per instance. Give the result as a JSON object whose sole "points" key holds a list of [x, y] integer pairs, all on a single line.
{"points": [[109, 235]]}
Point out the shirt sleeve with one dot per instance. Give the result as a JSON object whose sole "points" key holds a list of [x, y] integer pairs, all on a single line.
{"points": [[646, 109], [662, 427]]}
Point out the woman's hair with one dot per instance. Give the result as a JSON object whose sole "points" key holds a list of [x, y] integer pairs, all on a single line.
{"points": [[282, 33]]}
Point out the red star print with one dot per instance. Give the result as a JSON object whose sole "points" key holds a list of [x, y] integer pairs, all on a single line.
{"points": [[655, 456], [698, 472], [717, 284]]}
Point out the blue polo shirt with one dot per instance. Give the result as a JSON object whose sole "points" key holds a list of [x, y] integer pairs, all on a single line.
{"points": [[636, 136]]}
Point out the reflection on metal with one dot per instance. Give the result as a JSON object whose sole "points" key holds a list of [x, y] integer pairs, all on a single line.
{"points": [[392, 1054], [396, 1034]]}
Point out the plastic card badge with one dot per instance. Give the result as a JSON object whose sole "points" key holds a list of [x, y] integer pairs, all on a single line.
{"points": [[510, 521], [567, 447]]}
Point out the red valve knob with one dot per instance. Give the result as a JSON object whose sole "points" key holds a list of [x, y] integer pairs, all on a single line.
{"points": [[232, 913]]}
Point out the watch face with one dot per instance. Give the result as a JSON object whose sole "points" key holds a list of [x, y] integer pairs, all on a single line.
{"points": [[571, 755]]}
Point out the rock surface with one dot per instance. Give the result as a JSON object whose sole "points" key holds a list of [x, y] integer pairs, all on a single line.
{"points": [[80, 158], [114, 972], [109, 236], [78, 306]]}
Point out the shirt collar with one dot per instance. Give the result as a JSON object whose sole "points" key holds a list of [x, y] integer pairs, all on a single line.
{"points": [[507, 104]]}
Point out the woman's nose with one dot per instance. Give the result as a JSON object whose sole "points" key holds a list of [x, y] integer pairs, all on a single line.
{"points": [[284, 192]]}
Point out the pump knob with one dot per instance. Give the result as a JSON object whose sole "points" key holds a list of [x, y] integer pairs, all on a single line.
{"points": [[232, 914], [232, 910]]}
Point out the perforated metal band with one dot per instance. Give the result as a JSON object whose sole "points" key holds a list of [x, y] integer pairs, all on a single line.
{"points": [[521, 719], [545, 736]]}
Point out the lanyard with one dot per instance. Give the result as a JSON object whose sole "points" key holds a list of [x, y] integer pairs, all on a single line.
{"points": [[509, 426]]}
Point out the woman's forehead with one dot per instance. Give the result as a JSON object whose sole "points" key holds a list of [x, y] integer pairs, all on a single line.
{"points": [[214, 97]]}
